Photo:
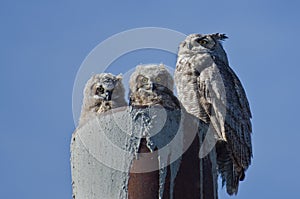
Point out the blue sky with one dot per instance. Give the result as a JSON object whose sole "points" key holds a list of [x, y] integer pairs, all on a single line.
{"points": [[43, 43]]}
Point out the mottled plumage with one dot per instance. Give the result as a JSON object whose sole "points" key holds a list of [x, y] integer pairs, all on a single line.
{"points": [[102, 92], [152, 85], [209, 89]]}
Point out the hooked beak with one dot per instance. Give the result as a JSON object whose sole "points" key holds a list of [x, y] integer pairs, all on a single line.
{"points": [[160, 87], [108, 95], [153, 86], [149, 87]]}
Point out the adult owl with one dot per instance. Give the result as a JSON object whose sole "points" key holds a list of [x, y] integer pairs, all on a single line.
{"points": [[152, 85], [102, 92], [209, 89]]}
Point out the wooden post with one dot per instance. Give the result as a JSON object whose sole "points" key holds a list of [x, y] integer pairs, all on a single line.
{"points": [[113, 158]]}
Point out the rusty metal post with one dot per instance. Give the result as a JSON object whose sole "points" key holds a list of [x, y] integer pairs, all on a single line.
{"points": [[187, 182], [93, 178], [143, 185]]}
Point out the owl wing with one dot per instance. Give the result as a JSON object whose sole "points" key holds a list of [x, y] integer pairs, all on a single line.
{"points": [[224, 100]]}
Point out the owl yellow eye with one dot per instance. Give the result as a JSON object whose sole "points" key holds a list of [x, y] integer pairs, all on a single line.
{"points": [[100, 90], [145, 80], [158, 79], [203, 42]]}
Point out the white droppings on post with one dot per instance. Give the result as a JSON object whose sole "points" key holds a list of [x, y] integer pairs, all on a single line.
{"points": [[101, 156], [207, 141], [103, 149], [174, 170], [168, 154], [162, 177], [213, 159]]}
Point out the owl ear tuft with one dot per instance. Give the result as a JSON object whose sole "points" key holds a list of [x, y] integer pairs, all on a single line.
{"points": [[119, 77], [138, 67], [161, 66], [219, 36]]}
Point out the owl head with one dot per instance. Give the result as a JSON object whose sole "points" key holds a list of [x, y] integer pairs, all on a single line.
{"points": [[102, 92], [203, 43], [104, 87], [150, 77]]}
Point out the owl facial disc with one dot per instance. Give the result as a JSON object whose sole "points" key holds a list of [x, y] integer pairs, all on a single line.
{"points": [[104, 91]]}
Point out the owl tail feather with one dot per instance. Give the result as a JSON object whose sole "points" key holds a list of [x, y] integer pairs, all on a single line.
{"points": [[229, 173]]}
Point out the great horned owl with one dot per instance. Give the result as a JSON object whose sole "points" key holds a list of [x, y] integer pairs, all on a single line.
{"points": [[209, 89], [152, 85], [102, 92]]}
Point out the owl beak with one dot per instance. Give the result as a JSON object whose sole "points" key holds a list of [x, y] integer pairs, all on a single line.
{"points": [[108, 95], [153, 86]]}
